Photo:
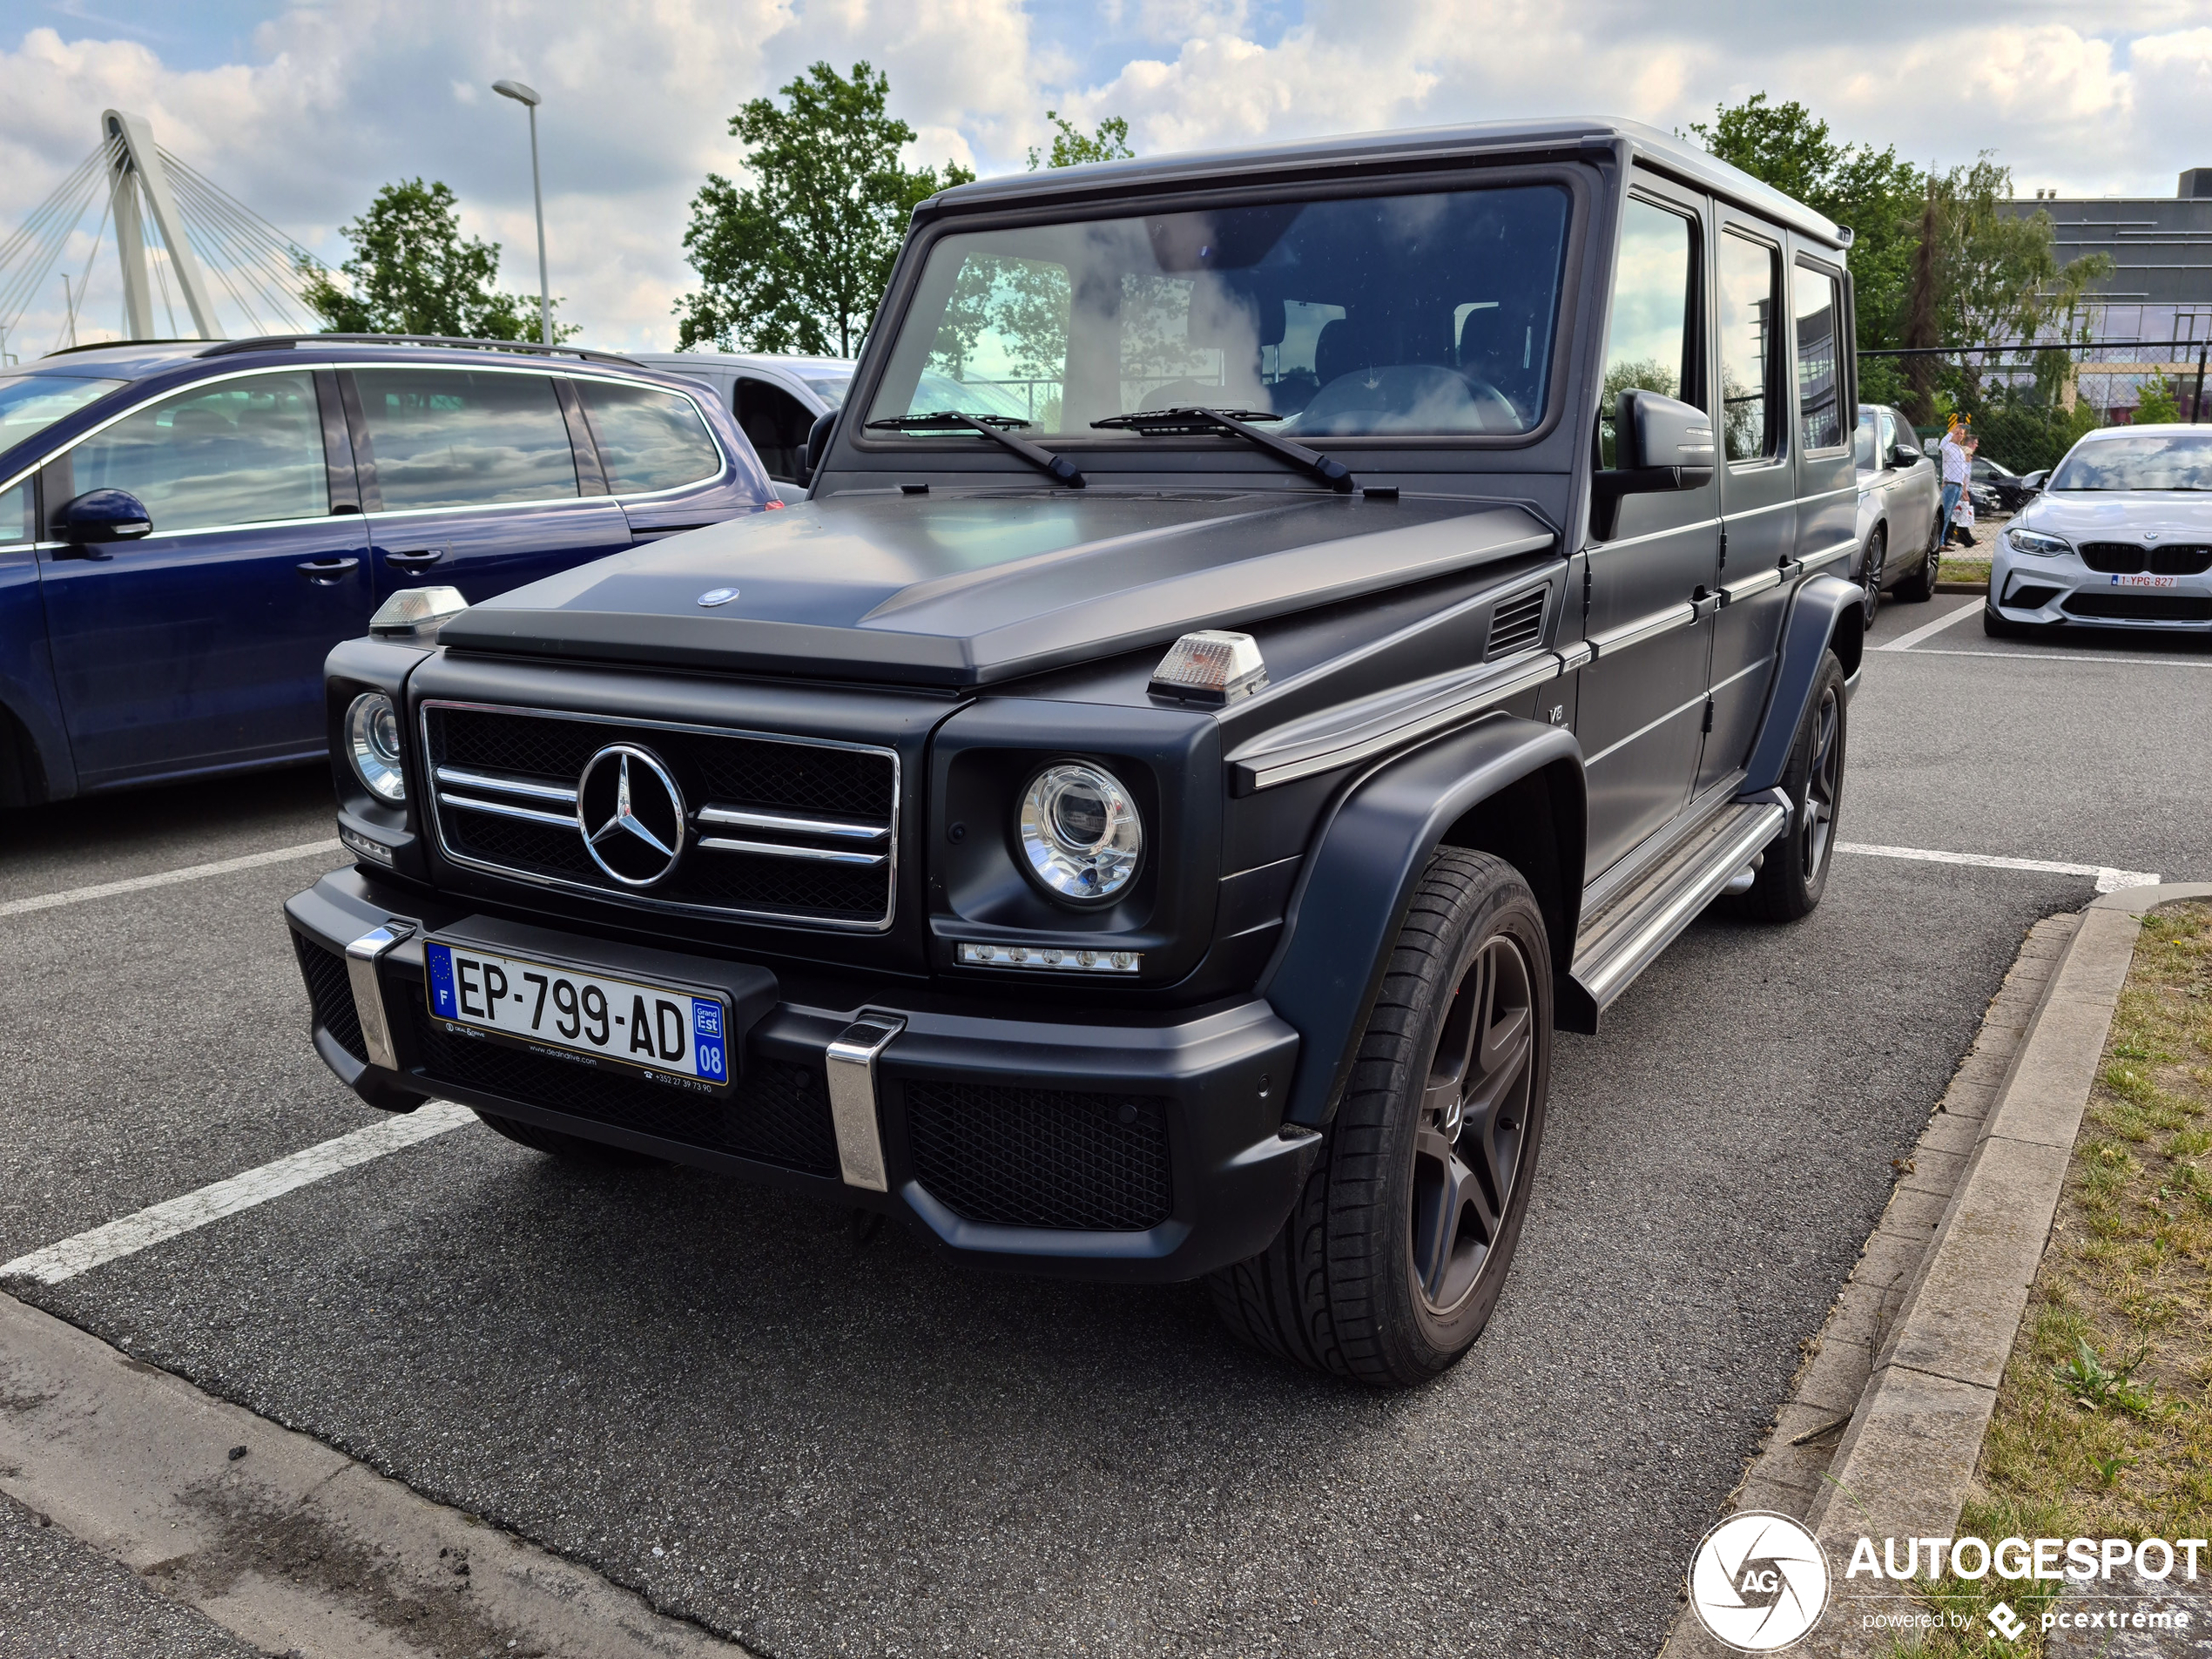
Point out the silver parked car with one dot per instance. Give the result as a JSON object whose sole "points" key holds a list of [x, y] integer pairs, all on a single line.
{"points": [[1899, 496], [2121, 537], [777, 401]]}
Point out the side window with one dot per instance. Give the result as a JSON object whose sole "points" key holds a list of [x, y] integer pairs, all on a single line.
{"points": [[1749, 280], [1905, 434], [458, 437], [648, 439], [1650, 342], [15, 515], [776, 424], [238, 452], [1863, 441], [1889, 437], [1819, 311]]}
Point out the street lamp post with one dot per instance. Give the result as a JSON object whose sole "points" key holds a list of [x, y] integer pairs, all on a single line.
{"points": [[528, 98]]}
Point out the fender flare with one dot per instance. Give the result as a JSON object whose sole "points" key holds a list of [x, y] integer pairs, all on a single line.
{"points": [[1821, 611], [1359, 879]]}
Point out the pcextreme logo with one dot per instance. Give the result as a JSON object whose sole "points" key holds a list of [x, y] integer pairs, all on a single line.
{"points": [[1758, 1581]]}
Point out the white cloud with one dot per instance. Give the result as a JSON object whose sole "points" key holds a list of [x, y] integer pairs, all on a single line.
{"points": [[336, 101]]}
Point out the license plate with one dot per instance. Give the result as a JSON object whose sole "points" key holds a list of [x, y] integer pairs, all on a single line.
{"points": [[2145, 582], [672, 1033]]}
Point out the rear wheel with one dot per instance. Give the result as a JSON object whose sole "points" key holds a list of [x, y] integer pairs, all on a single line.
{"points": [[1394, 1255], [569, 1148], [1794, 873], [1870, 572]]}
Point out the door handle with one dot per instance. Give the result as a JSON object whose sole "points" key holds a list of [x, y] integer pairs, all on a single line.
{"points": [[326, 573], [417, 559]]}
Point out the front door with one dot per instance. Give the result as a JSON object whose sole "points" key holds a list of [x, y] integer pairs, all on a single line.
{"points": [[1640, 714], [204, 643], [482, 479]]}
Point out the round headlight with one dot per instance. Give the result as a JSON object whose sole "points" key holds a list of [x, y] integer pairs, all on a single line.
{"points": [[373, 744], [1079, 831]]}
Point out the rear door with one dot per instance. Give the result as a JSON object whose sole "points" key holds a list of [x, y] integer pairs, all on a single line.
{"points": [[1758, 485], [1640, 712], [203, 643], [479, 478]]}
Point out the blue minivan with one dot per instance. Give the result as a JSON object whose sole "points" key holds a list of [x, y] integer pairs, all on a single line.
{"points": [[188, 527]]}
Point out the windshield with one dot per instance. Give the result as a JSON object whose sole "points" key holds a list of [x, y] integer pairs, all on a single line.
{"points": [[1425, 313], [2181, 461], [30, 403]]}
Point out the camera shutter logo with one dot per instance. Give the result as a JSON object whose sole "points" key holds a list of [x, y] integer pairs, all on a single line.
{"points": [[1759, 1582], [632, 814]]}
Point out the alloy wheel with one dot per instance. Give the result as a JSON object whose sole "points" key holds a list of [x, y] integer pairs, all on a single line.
{"points": [[1823, 778], [1473, 1119], [1870, 574]]}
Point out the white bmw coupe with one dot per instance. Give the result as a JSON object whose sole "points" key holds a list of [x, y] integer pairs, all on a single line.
{"points": [[2121, 537]]}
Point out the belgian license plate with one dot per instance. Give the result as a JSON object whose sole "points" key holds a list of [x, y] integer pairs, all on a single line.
{"points": [[2145, 582], [674, 1035]]}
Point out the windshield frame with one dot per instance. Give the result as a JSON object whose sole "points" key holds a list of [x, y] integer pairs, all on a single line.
{"points": [[1223, 454]]}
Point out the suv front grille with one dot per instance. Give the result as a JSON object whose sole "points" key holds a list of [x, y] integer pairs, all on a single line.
{"points": [[785, 829], [1041, 1157], [777, 1114]]}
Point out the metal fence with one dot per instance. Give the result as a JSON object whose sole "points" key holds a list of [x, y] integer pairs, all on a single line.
{"points": [[2028, 404]]}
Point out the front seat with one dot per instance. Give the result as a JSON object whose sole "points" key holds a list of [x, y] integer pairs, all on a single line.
{"points": [[1339, 351]]}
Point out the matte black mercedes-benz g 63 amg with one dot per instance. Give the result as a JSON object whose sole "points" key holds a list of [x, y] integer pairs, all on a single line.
{"points": [[1272, 636]]}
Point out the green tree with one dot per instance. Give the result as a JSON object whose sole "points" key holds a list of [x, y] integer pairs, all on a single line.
{"points": [[2155, 401], [798, 260], [1071, 148], [414, 272]]}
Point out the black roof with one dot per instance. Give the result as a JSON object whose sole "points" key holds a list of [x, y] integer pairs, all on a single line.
{"points": [[1487, 139]]}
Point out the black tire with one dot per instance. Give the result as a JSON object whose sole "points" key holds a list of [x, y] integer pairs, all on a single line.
{"points": [[1794, 873], [1393, 1256], [569, 1148], [1920, 586], [1871, 566]]}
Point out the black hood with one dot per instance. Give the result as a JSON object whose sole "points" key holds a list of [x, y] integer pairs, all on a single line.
{"points": [[962, 589]]}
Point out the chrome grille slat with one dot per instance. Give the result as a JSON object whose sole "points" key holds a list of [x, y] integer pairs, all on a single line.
{"points": [[799, 797]]}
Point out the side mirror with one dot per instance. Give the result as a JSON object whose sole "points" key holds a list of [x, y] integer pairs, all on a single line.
{"points": [[2034, 480], [818, 437], [1904, 455], [1660, 443], [100, 516]]}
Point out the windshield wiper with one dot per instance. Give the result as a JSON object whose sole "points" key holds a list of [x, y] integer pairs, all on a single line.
{"points": [[1194, 418], [994, 427]]}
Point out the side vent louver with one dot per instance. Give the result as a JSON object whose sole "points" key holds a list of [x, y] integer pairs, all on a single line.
{"points": [[1516, 625]]}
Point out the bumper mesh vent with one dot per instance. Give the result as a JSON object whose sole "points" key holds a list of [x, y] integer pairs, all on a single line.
{"points": [[1041, 1157], [778, 1114], [2140, 607], [331, 988], [1516, 625]]}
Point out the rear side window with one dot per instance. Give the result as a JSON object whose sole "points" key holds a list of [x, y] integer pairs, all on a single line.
{"points": [[15, 515], [238, 452], [1820, 416], [649, 439], [457, 437], [1649, 341], [776, 423], [1750, 293]]}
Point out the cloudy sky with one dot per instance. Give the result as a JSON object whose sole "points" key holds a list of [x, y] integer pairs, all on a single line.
{"points": [[303, 110]]}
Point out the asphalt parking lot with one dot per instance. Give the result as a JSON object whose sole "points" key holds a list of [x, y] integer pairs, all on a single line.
{"points": [[823, 1447]]}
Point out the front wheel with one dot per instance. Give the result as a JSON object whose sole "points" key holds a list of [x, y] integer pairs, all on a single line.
{"points": [[1870, 573], [1395, 1253], [1794, 873]]}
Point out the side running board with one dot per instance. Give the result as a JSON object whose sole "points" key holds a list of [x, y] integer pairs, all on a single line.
{"points": [[1621, 939]]}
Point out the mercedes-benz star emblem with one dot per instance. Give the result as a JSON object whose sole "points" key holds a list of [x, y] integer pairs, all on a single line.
{"points": [[714, 596], [632, 814]]}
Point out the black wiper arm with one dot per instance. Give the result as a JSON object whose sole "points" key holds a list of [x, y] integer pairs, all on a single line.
{"points": [[1195, 418], [994, 427]]}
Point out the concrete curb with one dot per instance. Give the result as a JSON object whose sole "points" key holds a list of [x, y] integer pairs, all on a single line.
{"points": [[1905, 1466], [289, 1545], [1962, 587]]}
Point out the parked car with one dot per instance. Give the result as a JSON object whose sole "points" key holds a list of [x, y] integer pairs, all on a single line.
{"points": [[2007, 490], [1148, 839], [186, 529], [2121, 537], [775, 400], [1899, 500]]}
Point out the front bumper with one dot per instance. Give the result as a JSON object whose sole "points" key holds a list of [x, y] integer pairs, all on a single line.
{"points": [[1136, 1151], [2032, 589]]}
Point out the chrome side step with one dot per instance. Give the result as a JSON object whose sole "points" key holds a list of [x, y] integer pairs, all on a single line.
{"points": [[1621, 939]]}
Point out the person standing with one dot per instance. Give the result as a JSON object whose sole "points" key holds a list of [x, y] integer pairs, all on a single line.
{"points": [[1958, 466]]}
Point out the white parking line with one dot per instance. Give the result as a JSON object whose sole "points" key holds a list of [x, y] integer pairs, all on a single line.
{"points": [[188, 872], [1927, 630], [2064, 657], [130, 1234], [2109, 878]]}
